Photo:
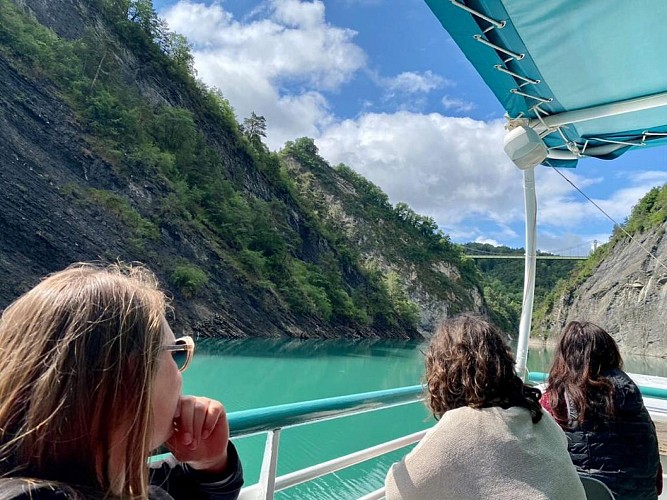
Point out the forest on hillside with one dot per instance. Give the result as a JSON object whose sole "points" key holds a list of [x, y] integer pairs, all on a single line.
{"points": [[177, 182], [503, 279]]}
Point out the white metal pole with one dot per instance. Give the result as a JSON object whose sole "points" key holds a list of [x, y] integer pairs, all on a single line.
{"points": [[601, 111], [530, 200]]}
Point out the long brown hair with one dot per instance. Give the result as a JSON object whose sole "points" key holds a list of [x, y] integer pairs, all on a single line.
{"points": [[469, 364], [79, 353], [584, 354]]}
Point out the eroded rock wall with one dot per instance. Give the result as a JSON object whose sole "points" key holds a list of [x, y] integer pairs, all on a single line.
{"points": [[626, 295]]}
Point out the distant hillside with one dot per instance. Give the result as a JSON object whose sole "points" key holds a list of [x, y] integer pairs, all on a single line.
{"points": [[112, 149], [503, 280], [620, 286], [425, 273]]}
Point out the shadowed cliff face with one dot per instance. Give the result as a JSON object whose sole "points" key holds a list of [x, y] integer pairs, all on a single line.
{"points": [[68, 18], [626, 295], [41, 152], [46, 225]]}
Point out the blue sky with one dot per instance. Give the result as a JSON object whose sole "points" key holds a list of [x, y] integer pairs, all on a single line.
{"points": [[381, 87]]}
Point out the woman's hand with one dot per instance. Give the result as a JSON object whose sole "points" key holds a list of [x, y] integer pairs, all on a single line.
{"points": [[201, 434]]}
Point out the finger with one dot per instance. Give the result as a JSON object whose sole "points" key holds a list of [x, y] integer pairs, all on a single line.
{"points": [[186, 419], [213, 415], [177, 413], [176, 421], [199, 416]]}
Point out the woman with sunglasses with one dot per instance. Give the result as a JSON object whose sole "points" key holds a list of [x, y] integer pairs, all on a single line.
{"points": [[90, 384]]}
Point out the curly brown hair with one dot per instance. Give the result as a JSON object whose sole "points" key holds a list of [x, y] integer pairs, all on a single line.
{"points": [[469, 364]]}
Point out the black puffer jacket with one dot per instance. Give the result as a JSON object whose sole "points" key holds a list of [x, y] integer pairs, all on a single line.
{"points": [[623, 452]]}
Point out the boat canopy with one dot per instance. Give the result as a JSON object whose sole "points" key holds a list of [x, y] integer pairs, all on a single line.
{"points": [[590, 77], [577, 78]]}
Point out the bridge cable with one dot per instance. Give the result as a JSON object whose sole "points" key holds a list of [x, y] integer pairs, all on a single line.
{"points": [[581, 246], [648, 252]]}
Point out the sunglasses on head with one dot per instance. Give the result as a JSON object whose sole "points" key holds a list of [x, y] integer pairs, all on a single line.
{"points": [[181, 351]]}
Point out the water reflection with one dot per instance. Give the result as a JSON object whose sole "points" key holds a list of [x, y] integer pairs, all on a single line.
{"points": [[307, 348], [539, 360]]}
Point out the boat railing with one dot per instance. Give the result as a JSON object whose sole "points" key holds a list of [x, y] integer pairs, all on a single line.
{"points": [[272, 420]]}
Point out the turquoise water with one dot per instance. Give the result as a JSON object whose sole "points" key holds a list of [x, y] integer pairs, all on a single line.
{"points": [[254, 373]]}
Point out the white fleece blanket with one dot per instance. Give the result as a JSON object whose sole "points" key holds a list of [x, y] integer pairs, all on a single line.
{"points": [[489, 453]]}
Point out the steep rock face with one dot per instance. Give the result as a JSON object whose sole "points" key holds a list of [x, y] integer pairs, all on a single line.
{"points": [[45, 226], [49, 166], [42, 152], [436, 286], [68, 18], [626, 295]]}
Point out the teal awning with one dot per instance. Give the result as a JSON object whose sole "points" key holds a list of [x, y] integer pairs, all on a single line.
{"points": [[541, 59]]}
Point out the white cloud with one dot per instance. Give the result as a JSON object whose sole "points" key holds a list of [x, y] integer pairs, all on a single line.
{"points": [[364, 3], [277, 66], [283, 59], [294, 42], [453, 169], [504, 232], [302, 115], [485, 231], [487, 241], [298, 14], [560, 205], [199, 22], [456, 104], [415, 82], [621, 202], [564, 207], [569, 243], [653, 177]]}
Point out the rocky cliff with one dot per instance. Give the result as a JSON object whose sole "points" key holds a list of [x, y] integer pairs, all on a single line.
{"points": [[47, 161], [424, 269], [109, 151], [626, 294]]}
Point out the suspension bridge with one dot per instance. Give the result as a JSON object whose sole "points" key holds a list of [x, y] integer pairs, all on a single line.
{"points": [[578, 252]]}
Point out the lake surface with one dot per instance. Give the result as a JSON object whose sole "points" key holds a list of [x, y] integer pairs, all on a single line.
{"points": [[255, 373]]}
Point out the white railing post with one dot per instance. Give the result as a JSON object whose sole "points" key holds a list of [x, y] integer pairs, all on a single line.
{"points": [[267, 476]]}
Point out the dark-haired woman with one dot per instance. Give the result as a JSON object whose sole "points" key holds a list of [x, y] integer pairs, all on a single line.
{"points": [[492, 440], [610, 434]]}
